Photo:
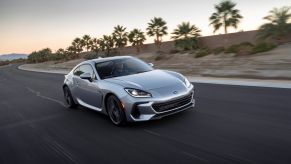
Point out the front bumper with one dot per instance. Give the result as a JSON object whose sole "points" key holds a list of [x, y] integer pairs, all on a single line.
{"points": [[144, 110]]}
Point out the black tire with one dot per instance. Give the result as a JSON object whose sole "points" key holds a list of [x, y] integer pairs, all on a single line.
{"points": [[69, 98], [115, 111]]}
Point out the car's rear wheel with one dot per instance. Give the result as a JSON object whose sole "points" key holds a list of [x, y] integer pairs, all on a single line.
{"points": [[115, 111], [69, 98]]}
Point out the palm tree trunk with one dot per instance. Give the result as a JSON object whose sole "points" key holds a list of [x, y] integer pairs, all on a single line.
{"points": [[108, 51], [120, 50], [137, 49], [158, 43], [225, 27]]}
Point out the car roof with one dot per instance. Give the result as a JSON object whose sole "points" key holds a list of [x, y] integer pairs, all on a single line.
{"points": [[98, 60]]}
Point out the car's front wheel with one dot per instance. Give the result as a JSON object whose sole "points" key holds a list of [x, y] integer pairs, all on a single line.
{"points": [[69, 98], [115, 111]]}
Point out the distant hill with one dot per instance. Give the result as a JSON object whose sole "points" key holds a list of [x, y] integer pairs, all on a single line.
{"points": [[12, 56]]}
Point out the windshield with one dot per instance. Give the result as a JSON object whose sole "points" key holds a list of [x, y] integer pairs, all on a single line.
{"points": [[121, 67]]}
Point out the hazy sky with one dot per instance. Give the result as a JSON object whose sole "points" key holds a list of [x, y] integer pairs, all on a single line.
{"points": [[28, 25]]}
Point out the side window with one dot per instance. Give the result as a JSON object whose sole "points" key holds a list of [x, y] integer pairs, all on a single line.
{"points": [[77, 72], [86, 69]]}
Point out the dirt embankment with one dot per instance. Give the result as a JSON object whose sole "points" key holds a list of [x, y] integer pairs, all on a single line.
{"points": [[275, 64]]}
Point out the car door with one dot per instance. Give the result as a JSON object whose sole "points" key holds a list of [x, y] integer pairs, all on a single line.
{"points": [[88, 91]]}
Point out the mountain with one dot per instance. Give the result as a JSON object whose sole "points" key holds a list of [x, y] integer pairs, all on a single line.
{"points": [[12, 56]]}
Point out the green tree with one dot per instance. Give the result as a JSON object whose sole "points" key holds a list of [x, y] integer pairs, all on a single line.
{"points": [[94, 42], [106, 44], [185, 36], [32, 57], [136, 37], [72, 51], [82, 45], [59, 54], [45, 53], [86, 40], [157, 28], [120, 36], [40, 56], [77, 45], [278, 25], [60, 51], [225, 16]]}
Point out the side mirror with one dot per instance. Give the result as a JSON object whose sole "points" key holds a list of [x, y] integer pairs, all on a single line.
{"points": [[86, 76], [151, 64]]}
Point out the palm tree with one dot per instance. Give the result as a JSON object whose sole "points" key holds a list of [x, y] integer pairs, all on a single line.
{"points": [[106, 43], [94, 43], [136, 37], [72, 51], [60, 51], [77, 45], [86, 42], [120, 36], [225, 16], [157, 28], [82, 45], [59, 54], [279, 24], [185, 36]]}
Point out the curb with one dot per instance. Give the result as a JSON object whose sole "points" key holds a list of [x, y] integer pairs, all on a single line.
{"points": [[243, 82], [63, 72]]}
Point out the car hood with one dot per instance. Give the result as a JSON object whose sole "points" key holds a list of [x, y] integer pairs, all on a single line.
{"points": [[148, 80]]}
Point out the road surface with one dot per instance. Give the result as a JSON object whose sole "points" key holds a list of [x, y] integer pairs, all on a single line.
{"points": [[230, 124]]}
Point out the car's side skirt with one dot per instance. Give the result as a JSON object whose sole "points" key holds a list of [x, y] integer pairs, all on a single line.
{"points": [[88, 105]]}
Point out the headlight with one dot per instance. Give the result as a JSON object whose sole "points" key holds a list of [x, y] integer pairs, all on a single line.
{"points": [[137, 93], [187, 83]]}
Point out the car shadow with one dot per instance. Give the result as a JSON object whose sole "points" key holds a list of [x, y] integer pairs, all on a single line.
{"points": [[165, 121]]}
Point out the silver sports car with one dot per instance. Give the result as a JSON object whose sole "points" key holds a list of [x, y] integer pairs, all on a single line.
{"points": [[127, 89]]}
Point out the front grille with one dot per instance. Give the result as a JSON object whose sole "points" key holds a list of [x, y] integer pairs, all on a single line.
{"points": [[169, 105]]}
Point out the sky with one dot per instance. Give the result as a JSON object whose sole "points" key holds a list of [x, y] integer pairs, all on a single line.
{"points": [[29, 25]]}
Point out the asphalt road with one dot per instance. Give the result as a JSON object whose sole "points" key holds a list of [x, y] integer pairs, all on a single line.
{"points": [[230, 124]]}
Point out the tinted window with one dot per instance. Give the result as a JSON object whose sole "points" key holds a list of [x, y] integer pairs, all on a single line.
{"points": [[104, 69], [121, 67]]}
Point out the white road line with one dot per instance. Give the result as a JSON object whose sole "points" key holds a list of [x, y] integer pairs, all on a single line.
{"points": [[29, 122], [59, 149], [194, 156], [38, 94], [242, 159], [152, 133], [63, 72]]}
